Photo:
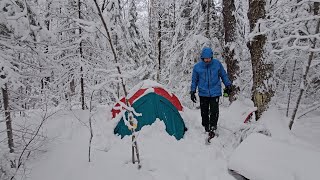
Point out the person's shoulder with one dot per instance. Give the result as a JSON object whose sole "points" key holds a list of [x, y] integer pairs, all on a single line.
{"points": [[198, 64], [215, 60]]}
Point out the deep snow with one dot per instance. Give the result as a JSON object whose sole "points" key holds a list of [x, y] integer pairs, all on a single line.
{"points": [[162, 156]]}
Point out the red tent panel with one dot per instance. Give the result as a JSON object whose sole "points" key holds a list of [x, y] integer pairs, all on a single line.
{"points": [[131, 100], [173, 99]]}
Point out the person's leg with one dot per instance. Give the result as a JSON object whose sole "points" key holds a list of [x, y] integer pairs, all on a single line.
{"points": [[214, 112], [204, 106]]}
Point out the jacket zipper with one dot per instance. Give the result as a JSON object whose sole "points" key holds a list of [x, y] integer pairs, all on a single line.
{"points": [[208, 81]]}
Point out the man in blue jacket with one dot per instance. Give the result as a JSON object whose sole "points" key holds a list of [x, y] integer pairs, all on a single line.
{"points": [[206, 77]]}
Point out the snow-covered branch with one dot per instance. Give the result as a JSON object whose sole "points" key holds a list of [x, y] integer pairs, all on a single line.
{"points": [[313, 108], [276, 25]]}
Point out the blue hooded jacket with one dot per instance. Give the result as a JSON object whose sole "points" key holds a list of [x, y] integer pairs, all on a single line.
{"points": [[206, 76]]}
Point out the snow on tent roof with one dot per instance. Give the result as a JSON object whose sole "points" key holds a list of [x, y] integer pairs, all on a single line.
{"points": [[146, 84], [261, 157], [143, 88], [150, 101], [150, 107]]}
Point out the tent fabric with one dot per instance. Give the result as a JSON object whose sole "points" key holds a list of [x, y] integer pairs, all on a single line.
{"points": [[160, 91], [152, 106]]}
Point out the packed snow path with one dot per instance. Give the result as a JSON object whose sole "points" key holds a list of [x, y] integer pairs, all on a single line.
{"points": [[162, 156]]}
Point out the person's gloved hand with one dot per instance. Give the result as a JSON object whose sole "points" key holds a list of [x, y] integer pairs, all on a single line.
{"points": [[226, 92], [193, 96]]}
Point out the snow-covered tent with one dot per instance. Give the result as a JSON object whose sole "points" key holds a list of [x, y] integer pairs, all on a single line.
{"points": [[152, 101]]}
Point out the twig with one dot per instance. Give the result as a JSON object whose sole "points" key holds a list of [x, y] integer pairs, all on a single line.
{"points": [[83, 123], [45, 117], [90, 126], [309, 110]]}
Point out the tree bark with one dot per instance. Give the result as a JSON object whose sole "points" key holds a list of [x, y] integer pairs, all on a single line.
{"points": [[159, 49], [72, 87], [290, 91], [81, 56], [82, 90], [208, 20], [262, 72], [152, 21], [6, 106], [174, 15], [90, 126], [229, 23]]}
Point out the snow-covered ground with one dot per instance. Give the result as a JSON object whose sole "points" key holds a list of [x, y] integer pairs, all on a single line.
{"points": [[261, 157], [162, 156]]}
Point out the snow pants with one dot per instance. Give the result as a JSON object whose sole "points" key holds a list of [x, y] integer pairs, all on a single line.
{"points": [[209, 112]]}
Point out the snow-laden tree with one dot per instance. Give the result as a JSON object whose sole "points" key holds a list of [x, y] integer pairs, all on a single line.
{"points": [[230, 38], [23, 67], [68, 52], [139, 47], [262, 69], [292, 29], [16, 41], [189, 37], [241, 50], [131, 53]]}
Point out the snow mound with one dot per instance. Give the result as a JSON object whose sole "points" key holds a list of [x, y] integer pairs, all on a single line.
{"points": [[236, 113], [264, 158]]}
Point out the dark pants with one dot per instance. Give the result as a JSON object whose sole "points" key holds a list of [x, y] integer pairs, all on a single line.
{"points": [[209, 112]]}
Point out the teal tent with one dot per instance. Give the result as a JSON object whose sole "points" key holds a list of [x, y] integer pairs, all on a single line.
{"points": [[152, 106]]}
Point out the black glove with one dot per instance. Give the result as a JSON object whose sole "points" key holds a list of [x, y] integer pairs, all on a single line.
{"points": [[227, 91], [193, 96]]}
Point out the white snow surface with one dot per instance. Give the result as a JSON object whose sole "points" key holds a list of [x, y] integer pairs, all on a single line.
{"points": [[162, 157], [146, 84], [260, 157]]}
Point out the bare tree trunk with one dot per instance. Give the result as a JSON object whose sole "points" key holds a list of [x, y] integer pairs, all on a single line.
{"points": [[208, 19], [82, 90], [186, 14], [152, 21], [72, 87], [304, 78], [290, 91], [174, 15], [229, 23], [6, 106], [90, 126], [111, 45], [149, 16], [81, 56], [262, 72], [159, 49], [134, 141]]}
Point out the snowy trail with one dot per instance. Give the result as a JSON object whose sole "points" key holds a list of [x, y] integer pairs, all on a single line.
{"points": [[162, 156]]}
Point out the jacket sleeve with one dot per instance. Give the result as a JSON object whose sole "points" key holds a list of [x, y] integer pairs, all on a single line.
{"points": [[224, 76], [195, 80]]}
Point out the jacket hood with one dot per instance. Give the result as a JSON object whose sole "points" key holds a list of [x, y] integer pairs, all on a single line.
{"points": [[206, 53]]}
